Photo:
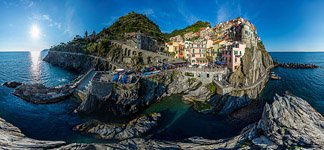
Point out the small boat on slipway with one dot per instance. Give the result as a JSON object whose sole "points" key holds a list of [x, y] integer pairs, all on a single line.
{"points": [[275, 76]]}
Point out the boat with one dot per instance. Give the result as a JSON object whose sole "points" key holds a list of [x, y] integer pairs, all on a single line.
{"points": [[275, 76]]}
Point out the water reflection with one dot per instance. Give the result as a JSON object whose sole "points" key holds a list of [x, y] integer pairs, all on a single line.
{"points": [[35, 66]]}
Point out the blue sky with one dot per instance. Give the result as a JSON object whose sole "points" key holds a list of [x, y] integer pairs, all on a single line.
{"points": [[283, 25]]}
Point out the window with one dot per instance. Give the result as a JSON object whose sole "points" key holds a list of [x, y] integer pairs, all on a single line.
{"points": [[193, 55], [207, 75], [235, 52], [235, 59]]}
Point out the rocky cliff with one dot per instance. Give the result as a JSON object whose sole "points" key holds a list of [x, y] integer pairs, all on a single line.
{"points": [[253, 72], [75, 61], [288, 123]]}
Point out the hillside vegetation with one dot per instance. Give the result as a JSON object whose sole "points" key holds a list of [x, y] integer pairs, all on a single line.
{"points": [[132, 22], [192, 28], [98, 44]]}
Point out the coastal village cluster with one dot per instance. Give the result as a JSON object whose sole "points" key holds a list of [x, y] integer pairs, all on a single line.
{"points": [[224, 44]]}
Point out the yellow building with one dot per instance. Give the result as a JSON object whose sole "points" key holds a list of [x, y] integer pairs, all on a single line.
{"points": [[176, 49]]}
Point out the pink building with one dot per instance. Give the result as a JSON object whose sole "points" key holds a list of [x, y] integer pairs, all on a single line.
{"points": [[232, 55], [198, 53]]}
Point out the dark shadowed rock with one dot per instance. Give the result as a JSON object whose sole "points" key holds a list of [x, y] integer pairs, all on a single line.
{"points": [[40, 94], [12, 84], [135, 128]]}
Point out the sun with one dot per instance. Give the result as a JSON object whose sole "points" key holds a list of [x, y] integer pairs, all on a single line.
{"points": [[34, 32]]}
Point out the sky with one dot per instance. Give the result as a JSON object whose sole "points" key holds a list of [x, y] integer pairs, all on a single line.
{"points": [[283, 25]]}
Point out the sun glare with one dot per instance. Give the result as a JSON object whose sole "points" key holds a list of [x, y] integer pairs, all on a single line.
{"points": [[34, 32]]}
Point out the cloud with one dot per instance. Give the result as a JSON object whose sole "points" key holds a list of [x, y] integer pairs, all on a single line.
{"points": [[222, 14], [69, 22], [148, 12], [48, 19], [188, 16], [229, 10], [27, 3]]}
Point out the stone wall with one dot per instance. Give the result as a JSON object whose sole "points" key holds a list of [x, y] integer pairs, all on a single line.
{"points": [[204, 75]]}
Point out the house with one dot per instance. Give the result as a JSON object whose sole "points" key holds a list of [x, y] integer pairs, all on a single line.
{"points": [[142, 41], [198, 53], [187, 50], [180, 51], [232, 54], [177, 38], [171, 47], [176, 48]]}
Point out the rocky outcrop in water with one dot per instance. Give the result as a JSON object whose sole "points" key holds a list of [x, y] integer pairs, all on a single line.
{"points": [[296, 65], [12, 84], [135, 128], [40, 94]]}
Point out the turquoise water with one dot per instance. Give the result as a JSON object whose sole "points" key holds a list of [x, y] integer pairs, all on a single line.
{"points": [[55, 121], [180, 121]]}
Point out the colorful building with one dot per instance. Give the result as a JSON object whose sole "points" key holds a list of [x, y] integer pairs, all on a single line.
{"points": [[232, 54], [177, 49], [180, 51], [198, 53]]}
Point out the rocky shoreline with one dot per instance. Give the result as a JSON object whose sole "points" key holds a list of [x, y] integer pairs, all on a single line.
{"points": [[289, 122], [40, 94]]}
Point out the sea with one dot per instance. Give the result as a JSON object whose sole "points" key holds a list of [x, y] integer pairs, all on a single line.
{"points": [[56, 121]]}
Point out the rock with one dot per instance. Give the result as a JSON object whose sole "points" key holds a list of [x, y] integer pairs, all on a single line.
{"points": [[12, 138], [98, 94], [263, 142], [201, 94], [40, 94], [291, 121], [180, 84], [255, 66], [12, 84], [135, 128], [228, 104]]}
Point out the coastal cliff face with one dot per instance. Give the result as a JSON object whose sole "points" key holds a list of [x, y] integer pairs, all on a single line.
{"points": [[75, 61], [289, 122], [123, 99], [253, 72]]}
